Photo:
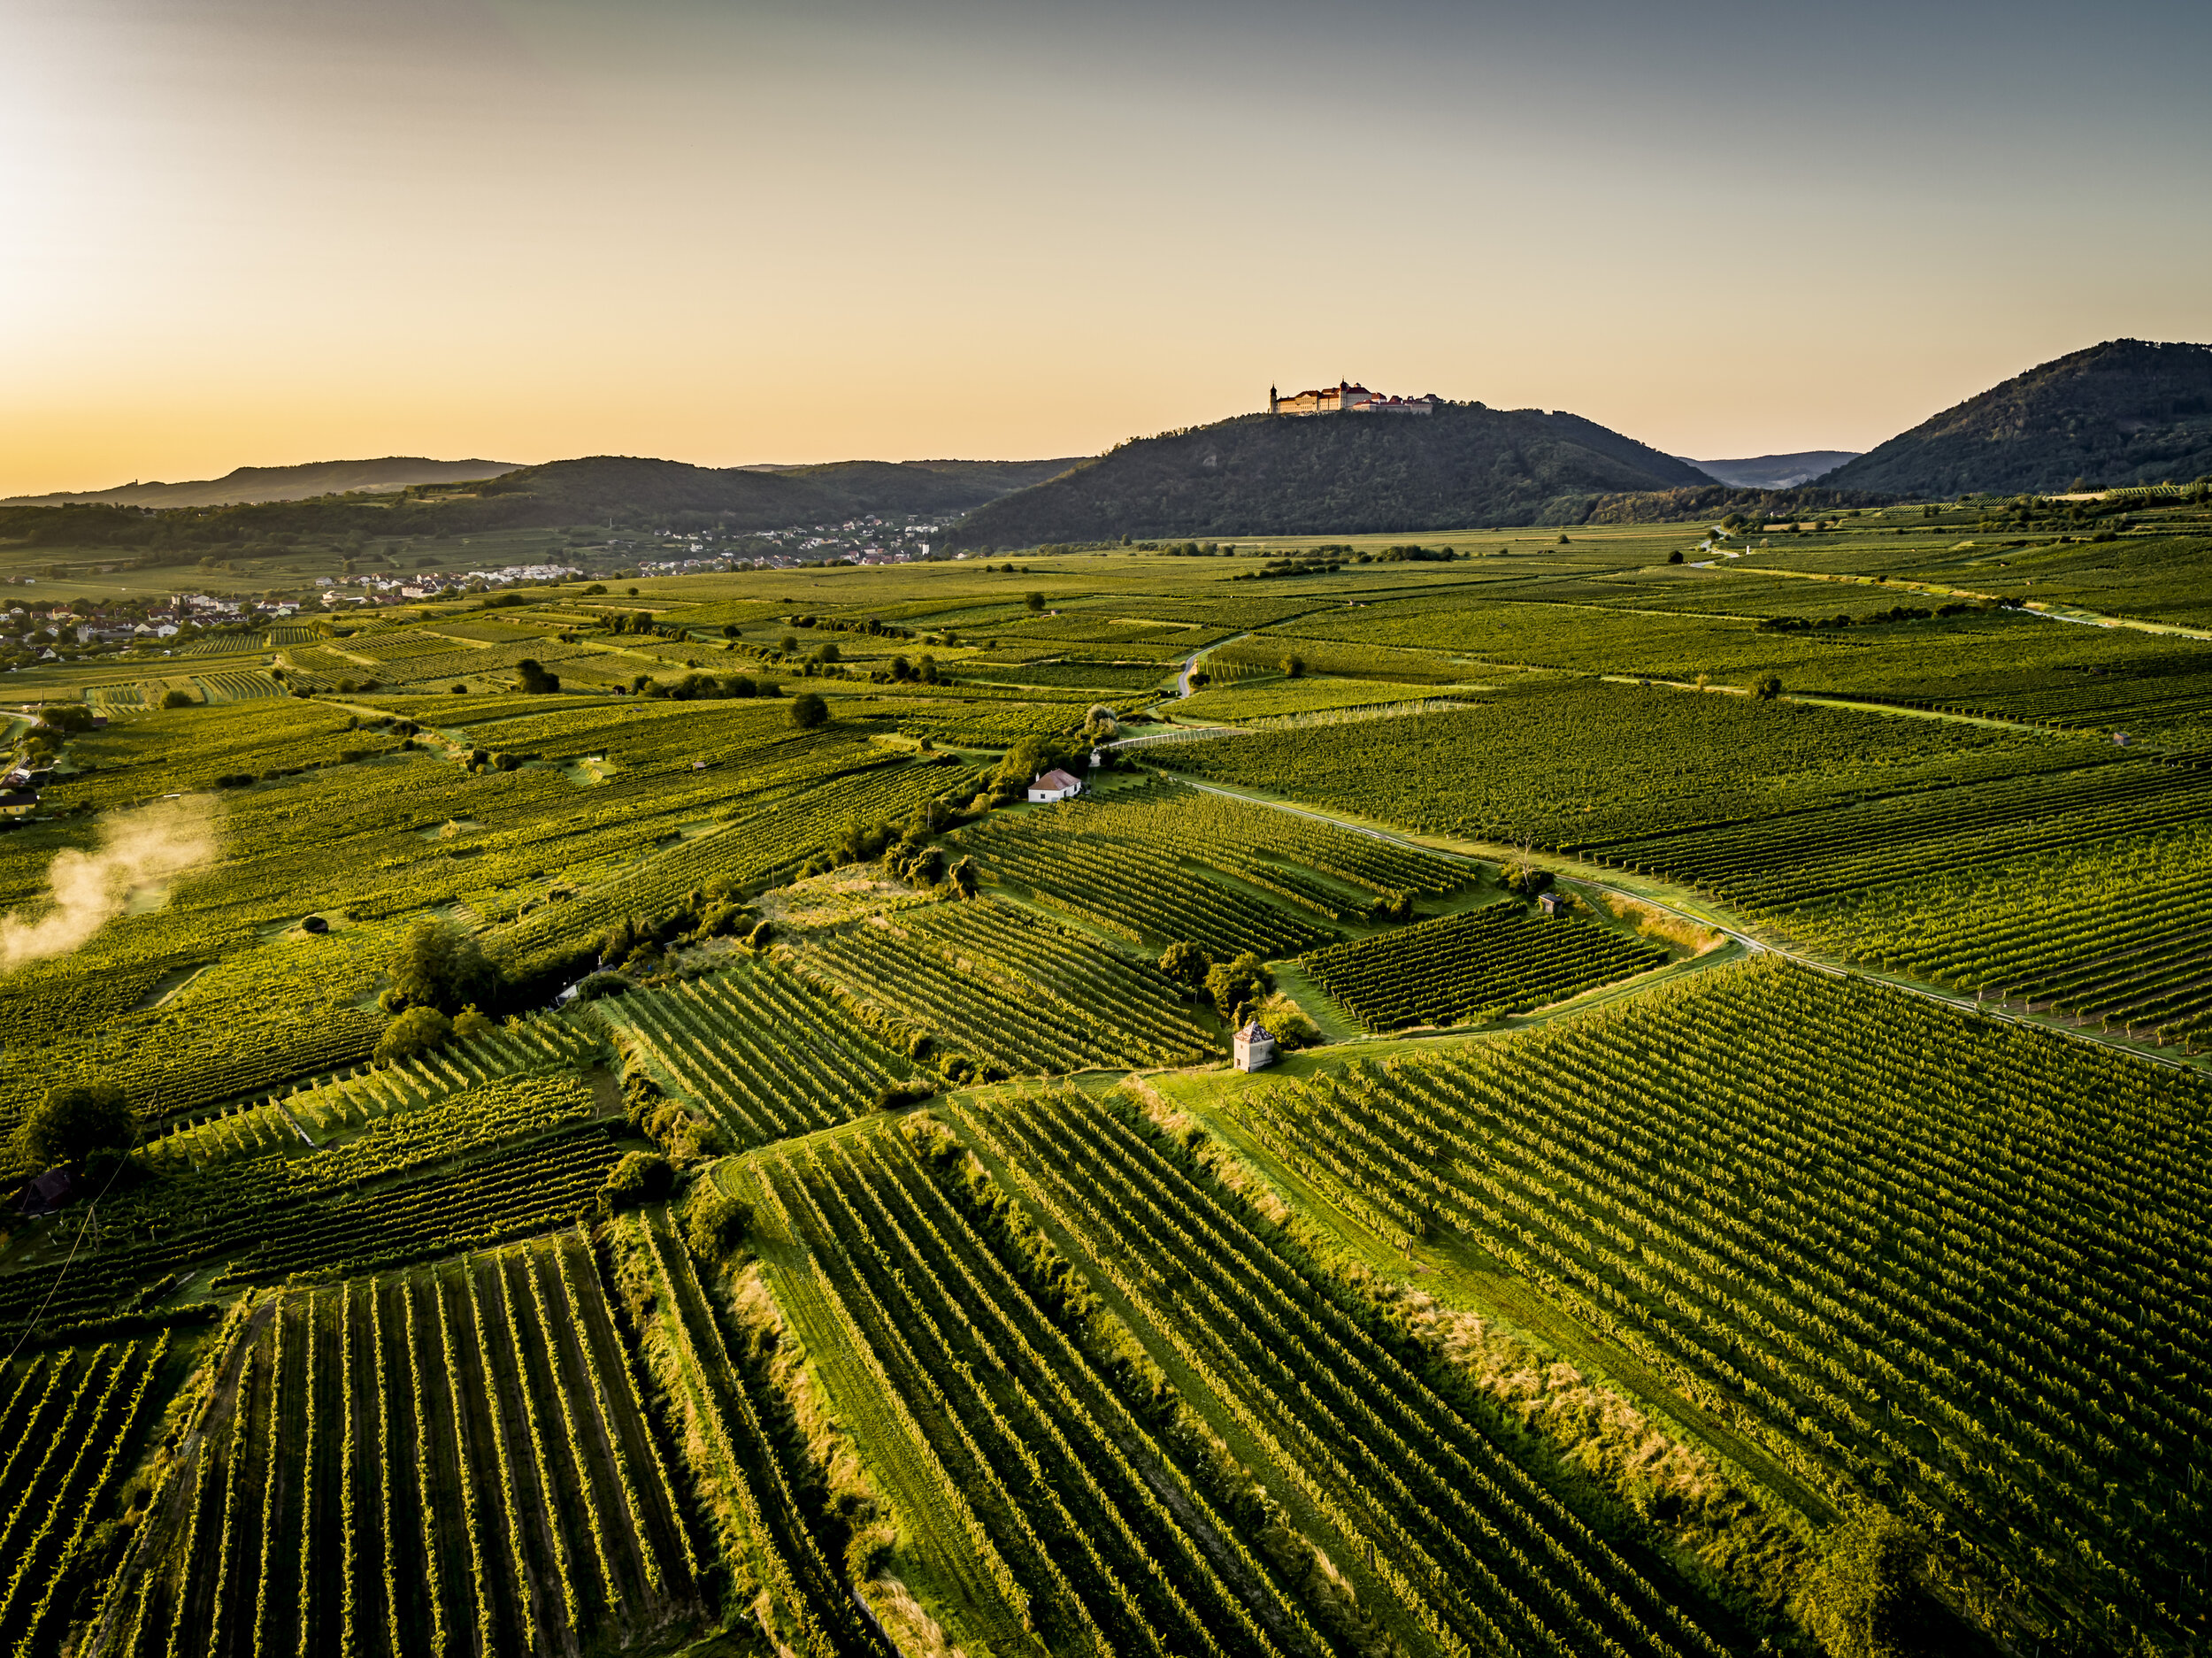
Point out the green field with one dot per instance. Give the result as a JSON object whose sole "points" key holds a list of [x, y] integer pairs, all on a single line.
{"points": [[658, 1167]]}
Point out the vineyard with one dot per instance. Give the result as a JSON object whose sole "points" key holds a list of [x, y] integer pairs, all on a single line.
{"points": [[1276, 697], [2071, 888], [1430, 1517], [72, 1421], [1475, 965], [1289, 881], [671, 1165], [1051, 1506], [455, 1458], [763, 1051], [2112, 932], [1571, 764], [1003, 991], [1848, 1245]]}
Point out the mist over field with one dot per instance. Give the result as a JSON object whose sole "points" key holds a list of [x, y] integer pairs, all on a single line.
{"points": [[87, 890]]}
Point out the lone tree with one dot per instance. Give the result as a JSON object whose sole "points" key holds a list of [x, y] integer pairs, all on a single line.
{"points": [[1294, 667], [535, 680], [1767, 687], [1034, 600], [437, 965], [75, 1120], [808, 711]]}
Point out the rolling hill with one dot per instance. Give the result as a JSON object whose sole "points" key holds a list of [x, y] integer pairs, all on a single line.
{"points": [[303, 482], [627, 490], [2128, 411], [597, 486], [1257, 474], [1775, 471]]}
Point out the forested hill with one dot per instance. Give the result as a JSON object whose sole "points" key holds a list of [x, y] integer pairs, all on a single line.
{"points": [[600, 486], [1775, 471], [2128, 411], [597, 490], [1260, 474]]}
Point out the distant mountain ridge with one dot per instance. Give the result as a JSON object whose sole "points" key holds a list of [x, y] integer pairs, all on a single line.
{"points": [[302, 482], [1775, 471], [2128, 411], [597, 490], [1343, 474], [744, 498]]}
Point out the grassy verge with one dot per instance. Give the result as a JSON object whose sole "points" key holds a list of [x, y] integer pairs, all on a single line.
{"points": [[932, 1560]]}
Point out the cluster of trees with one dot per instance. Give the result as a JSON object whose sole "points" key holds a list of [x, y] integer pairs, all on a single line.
{"points": [[1230, 985], [1733, 508], [705, 686], [640, 1177], [1306, 561], [425, 1030], [1895, 613], [1239, 988], [439, 976], [684, 1137], [1869, 1596], [640, 944], [910, 849], [90, 1124], [57, 723], [868, 626]]}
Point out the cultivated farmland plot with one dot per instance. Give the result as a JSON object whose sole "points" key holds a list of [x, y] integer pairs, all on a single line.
{"points": [[1474, 965], [658, 1167], [455, 1458]]}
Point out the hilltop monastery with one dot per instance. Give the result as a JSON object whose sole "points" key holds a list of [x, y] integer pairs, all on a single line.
{"points": [[1346, 398]]}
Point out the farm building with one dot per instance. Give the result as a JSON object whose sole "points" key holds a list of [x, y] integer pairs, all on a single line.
{"points": [[1554, 903], [1055, 784], [1254, 1047]]}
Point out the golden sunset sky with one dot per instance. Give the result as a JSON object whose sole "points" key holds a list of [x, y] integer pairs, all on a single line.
{"points": [[254, 232]]}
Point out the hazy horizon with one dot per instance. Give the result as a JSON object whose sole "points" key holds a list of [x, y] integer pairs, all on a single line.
{"points": [[264, 234]]}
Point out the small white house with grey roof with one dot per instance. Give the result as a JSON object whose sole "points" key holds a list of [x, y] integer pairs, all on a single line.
{"points": [[1255, 1048]]}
